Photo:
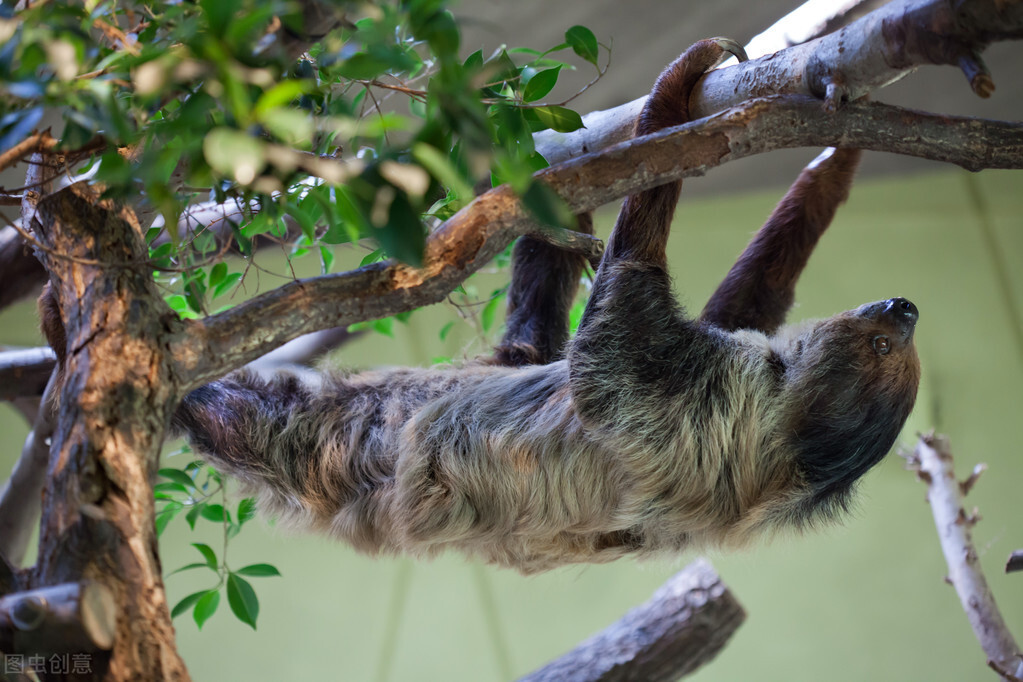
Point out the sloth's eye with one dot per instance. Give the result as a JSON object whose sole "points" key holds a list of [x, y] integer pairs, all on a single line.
{"points": [[881, 345]]}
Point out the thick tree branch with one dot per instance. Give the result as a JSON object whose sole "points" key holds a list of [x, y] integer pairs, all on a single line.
{"points": [[870, 53], [471, 238], [932, 460], [681, 628]]}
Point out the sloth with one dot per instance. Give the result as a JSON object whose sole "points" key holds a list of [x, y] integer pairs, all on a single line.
{"points": [[649, 433]]}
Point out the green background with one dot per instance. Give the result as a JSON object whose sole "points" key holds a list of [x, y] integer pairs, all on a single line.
{"points": [[864, 600]]}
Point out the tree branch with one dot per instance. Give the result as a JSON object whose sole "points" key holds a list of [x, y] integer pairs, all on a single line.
{"points": [[21, 495], [24, 373], [810, 20], [73, 617], [872, 52], [932, 460], [1015, 562], [682, 627], [472, 237]]}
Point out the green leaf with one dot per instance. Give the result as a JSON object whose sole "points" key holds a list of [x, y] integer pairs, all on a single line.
{"points": [[246, 510], [177, 476], [217, 274], [445, 330], [583, 43], [545, 204], [165, 515], [373, 257], [488, 313], [293, 126], [402, 236], [363, 67], [193, 515], [219, 13], [206, 607], [541, 83], [305, 221], [242, 599], [441, 32], [215, 513], [384, 326], [575, 316], [441, 168], [561, 119], [188, 567], [473, 62], [207, 553], [171, 487], [229, 283], [282, 95], [259, 571], [326, 259], [186, 603], [234, 153]]}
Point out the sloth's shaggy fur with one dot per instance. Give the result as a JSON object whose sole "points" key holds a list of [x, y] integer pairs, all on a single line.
{"points": [[652, 433]]}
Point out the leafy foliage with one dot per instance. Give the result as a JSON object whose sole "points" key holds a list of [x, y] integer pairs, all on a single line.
{"points": [[374, 131], [194, 488]]}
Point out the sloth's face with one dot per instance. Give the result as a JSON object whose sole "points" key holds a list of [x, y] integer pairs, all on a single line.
{"points": [[851, 381]]}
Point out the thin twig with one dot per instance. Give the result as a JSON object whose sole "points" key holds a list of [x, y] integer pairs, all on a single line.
{"points": [[933, 459]]}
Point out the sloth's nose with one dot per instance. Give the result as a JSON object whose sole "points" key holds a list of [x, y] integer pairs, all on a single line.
{"points": [[904, 309]]}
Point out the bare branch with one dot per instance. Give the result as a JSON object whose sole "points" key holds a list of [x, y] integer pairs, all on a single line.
{"points": [[20, 272], [874, 51], [933, 457], [61, 618], [36, 142], [304, 350], [681, 628], [24, 373], [472, 237], [21, 495]]}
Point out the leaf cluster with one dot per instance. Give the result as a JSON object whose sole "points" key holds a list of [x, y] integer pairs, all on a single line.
{"points": [[380, 128]]}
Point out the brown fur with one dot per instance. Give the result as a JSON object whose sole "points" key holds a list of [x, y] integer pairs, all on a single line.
{"points": [[654, 433]]}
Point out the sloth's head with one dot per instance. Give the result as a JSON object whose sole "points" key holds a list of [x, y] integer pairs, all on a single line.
{"points": [[851, 383]]}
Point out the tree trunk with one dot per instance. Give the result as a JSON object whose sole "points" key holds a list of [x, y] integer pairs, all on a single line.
{"points": [[119, 391]]}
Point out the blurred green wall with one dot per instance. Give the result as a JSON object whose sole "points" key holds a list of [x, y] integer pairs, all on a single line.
{"points": [[862, 601]]}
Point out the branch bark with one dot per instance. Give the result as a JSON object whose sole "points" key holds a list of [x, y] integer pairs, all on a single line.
{"points": [[932, 460], [683, 626], [472, 237], [872, 52]]}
